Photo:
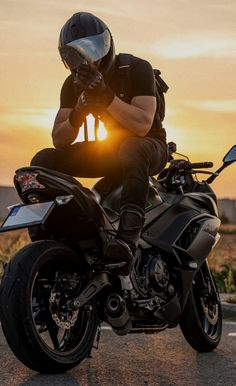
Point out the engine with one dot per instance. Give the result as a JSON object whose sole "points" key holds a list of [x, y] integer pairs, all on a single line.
{"points": [[146, 306], [151, 276]]}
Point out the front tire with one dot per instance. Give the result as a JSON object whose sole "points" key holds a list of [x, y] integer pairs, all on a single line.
{"points": [[201, 321], [42, 334]]}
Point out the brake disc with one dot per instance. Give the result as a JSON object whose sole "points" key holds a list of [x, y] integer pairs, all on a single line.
{"points": [[211, 315], [62, 320]]}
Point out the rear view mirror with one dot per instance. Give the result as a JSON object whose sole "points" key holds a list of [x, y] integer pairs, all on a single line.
{"points": [[230, 156]]}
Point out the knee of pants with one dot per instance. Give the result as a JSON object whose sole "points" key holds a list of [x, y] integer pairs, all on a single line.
{"points": [[134, 152], [44, 158]]}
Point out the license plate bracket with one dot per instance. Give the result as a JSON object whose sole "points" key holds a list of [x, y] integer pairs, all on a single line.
{"points": [[25, 216]]}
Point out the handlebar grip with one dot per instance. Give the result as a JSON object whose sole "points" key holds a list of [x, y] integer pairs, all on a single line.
{"points": [[201, 165]]}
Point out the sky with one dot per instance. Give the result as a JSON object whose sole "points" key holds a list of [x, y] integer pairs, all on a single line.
{"points": [[192, 43]]}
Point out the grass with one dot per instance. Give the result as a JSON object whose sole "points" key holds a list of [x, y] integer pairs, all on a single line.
{"points": [[228, 229], [10, 243], [226, 280], [224, 254]]}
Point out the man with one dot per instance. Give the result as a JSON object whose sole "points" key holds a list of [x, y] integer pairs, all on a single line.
{"points": [[136, 143]]}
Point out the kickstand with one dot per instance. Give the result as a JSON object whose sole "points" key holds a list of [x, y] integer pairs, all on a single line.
{"points": [[96, 340]]}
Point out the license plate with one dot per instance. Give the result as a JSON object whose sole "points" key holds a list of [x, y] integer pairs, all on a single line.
{"points": [[24, 216]]}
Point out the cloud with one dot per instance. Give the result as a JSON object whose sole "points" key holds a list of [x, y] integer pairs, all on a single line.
{"points": [[220, 106], [193, 46], [42, 118]]}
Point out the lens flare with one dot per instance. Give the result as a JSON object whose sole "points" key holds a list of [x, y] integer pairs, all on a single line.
{"points": [[101, 132]]}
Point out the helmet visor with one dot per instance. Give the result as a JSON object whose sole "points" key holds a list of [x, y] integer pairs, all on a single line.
{"points": [[90, 49], [71, 57]]}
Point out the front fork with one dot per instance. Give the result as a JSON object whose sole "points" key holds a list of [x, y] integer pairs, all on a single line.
{"points": [[207, 287]]}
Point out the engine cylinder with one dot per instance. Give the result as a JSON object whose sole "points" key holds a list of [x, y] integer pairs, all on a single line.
{"points": [[159, 275]]}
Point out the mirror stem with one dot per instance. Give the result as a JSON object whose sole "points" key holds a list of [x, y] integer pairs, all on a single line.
{"points": [[213, 177]]}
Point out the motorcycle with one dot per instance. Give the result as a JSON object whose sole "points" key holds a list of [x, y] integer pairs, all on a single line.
{"points": [[57, 290]]}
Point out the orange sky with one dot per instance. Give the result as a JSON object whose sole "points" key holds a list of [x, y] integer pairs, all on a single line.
{"points": [[193, 43]]}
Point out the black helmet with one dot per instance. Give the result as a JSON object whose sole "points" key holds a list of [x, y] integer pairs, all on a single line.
{"points": [[84, 37]]}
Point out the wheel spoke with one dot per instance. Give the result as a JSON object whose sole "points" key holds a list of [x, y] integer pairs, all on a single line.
{"points": [[53, 332], [206, 325], [36, 314]]}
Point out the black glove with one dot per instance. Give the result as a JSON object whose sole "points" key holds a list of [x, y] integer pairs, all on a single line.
{"points": [[86, 104], [96, 91], [95, 97], [78, 87], [80, 111]]}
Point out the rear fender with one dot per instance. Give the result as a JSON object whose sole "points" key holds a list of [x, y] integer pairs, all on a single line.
{"points": [[61, 218]]}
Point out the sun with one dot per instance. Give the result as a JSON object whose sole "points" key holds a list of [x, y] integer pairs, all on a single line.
{"points": [[101, 132], [44, 118]]}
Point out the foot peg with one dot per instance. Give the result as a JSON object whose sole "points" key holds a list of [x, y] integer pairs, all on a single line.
{"points": [[119, 256], [115, 265]]}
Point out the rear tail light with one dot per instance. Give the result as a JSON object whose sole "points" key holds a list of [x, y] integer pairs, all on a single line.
{"points": [[27, 181]]}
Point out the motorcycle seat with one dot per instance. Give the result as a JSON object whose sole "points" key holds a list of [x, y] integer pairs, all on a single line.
{"points": [[108, 194]]}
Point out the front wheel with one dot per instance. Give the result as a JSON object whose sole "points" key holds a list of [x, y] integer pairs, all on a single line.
{"points": [[201, 321], [41, 330]]}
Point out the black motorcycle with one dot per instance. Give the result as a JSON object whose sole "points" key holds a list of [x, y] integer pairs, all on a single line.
{"points": [[56, 291]]}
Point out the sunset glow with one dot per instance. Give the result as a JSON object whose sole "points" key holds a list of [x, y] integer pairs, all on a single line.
{"points": [[192, 43], [101, 133]]}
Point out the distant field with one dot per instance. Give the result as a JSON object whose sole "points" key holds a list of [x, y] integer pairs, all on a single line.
{"points": [[223, 255], [10, 243]]}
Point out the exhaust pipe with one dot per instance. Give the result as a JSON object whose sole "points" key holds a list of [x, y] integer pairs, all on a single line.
{"points": [[117, 314]]}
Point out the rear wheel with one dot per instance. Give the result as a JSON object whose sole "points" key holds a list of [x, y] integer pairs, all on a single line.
{"points": [[201, 322], [36, 233], [42, 331]]}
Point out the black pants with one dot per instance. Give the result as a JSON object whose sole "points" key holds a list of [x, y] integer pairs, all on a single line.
{"points": [[133, 161]]}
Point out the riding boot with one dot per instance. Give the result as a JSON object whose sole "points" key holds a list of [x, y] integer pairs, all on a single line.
{"points": [[122, 248]]}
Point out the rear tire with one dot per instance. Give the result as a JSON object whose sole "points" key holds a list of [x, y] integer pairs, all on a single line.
{"points": [[36, 233], [27, 319], [201, 321]]}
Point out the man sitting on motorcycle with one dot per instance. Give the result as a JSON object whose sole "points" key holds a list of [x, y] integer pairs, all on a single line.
{"points": [[136, 144]]}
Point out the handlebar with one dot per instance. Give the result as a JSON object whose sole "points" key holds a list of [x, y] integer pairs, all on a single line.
{"points": [[182, 167], [188, 166], [201, 165]]}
